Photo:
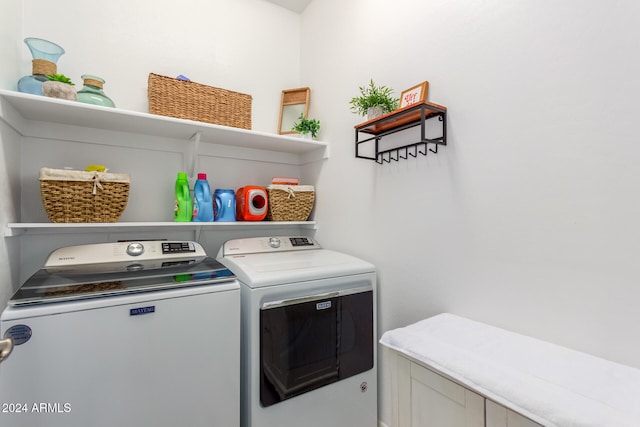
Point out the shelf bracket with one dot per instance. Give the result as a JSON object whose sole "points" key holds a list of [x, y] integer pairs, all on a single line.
{"points": [[196, 233], [191, 156], [11, 232]]}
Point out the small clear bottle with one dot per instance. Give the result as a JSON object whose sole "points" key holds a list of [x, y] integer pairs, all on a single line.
{"points": [[92, 93]]}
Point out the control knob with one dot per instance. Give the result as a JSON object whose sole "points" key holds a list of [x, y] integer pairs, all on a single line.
{"points": [[274, 242], [135, 249]]}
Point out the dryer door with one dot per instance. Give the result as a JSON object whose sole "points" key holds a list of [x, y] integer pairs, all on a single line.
{"points": [[309, 342]]}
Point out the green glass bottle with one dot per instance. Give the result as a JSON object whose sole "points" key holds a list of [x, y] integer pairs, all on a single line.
{"points": [[91, 92]]}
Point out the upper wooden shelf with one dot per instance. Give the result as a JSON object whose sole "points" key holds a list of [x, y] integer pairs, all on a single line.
{"points": [[400, 117]]}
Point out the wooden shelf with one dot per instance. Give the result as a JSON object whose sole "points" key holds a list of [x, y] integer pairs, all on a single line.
{"points": [[401, 117], [417, 114]]}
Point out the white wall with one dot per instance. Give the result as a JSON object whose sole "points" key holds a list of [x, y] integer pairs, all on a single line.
{"points": [[10, 32], [248, 46], [10, 45], [528, 219]]}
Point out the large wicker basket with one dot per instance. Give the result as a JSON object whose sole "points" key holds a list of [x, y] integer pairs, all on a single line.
{"points": [[290, 202], [194, 101], [79, 196]]}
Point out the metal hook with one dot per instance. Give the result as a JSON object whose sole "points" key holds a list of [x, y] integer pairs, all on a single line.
{"points": [[436, 150], [425, 149]]}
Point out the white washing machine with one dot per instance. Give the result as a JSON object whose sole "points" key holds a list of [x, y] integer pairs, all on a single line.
{"points": [[308, 334], [123, 334]]}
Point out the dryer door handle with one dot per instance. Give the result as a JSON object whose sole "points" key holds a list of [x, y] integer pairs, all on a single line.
{"points": [[310, 298], [6, 347], [301, 300]]}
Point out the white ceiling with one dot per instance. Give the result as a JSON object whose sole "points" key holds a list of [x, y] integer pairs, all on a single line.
{"points": [[294, 5]]}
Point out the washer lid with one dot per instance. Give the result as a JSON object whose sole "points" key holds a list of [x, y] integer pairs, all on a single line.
{"points": [[275, 268], [58, 284]]}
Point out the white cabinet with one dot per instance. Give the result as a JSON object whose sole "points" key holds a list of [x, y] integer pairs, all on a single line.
{"points": [[499, 416], [428, 399]]}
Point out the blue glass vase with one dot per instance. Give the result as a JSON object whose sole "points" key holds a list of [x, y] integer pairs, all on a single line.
{"points": [[45, 58], [92, 93]]}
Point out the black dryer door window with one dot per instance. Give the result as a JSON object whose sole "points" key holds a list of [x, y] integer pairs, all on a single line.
{"points": [[313, 341]]}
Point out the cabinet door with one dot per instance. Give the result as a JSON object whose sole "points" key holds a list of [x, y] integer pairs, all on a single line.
{"points": [[427, 399], [499, 416]]}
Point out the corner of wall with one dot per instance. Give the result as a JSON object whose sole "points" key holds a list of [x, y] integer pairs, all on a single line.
{"points": [[11, 31], [10, 57]]}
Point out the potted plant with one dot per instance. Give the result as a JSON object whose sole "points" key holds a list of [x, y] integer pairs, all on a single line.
{"points": [[59, 86], [305, 126], [374, 101]]}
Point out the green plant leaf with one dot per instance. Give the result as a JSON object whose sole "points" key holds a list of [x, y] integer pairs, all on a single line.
{"points": [[60, 78], [305, 126], [373, 96]]}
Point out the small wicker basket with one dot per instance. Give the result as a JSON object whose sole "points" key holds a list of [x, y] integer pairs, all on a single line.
{"points": [[194, 101], [290, 202], [79, 196]]}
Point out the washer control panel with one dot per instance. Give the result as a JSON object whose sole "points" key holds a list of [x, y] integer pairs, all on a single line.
{"points": [[143, 250], [267, 244]]}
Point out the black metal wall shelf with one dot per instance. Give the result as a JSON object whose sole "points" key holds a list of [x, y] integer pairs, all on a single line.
{"points": [[418, 114]]}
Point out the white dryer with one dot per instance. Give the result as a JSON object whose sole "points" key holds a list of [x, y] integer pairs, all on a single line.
{"points": [[308, 333]]}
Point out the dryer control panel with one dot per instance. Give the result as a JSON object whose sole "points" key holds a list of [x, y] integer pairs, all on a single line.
{"points": [[267, 244]]}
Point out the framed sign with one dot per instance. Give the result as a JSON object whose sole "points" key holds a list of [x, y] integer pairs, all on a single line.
{"points": [[417, 93]]}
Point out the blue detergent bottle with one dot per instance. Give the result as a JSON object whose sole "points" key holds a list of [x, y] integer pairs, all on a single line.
{"points": [[225, 204], [202, 201]]}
